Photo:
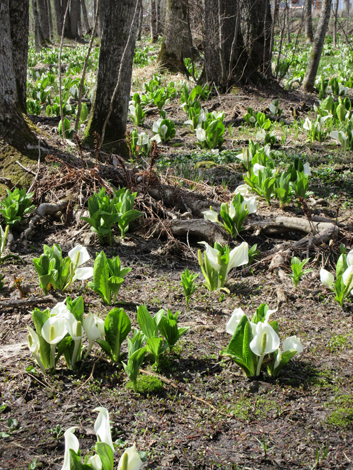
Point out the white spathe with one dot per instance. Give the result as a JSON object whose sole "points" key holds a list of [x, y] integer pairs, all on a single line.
{"points": [[102, 426], [54, 330], [260, 347], [71, 442], [238, 256], [326, 278], [210, 215], [134, 462], [234, 320], [292, 343], [96, 462], [79, 255], [93, 327]]}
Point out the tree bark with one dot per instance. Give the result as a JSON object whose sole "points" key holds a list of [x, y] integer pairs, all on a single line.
{"points": [[50, 18], [117, 23], [85, 17], [253, 29], [75, 19], [289, 39], [177, 41], [19, 13], [318, 44], [308, 21], [140, 23], [39, 40], [102, 7], [153, 21], [58, 17], [334, 33], [14, 20], [273, 25], [44, 19]]}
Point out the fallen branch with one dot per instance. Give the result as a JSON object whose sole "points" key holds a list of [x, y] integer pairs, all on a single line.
{"points": [[43, 210], [204, 230], [27, 302]]}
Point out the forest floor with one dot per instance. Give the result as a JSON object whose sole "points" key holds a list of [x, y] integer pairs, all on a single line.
{"points": [[204, 414]]}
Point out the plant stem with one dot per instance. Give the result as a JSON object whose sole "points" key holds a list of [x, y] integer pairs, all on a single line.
{"points": [[259, 364], [52, 356]]}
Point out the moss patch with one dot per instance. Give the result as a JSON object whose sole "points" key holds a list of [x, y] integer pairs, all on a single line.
{"points": [[9, 168], [342, 414], [147, 384]]}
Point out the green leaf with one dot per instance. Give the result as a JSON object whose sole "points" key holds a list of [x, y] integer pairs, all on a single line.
{"points": [[106, 455], [146, 322], [117, 326]]}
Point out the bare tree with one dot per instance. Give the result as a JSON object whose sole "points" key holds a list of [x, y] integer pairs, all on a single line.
{"points": [[153, 21], [308, 21], [115, 60], [318, 44]]}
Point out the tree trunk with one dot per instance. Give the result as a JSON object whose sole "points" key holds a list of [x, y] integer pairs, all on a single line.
{"points": [[256, 33], [158, 17], [19, 14], [58, 17], [273, 25], [140, 23], [85, 17], [308, 21], [334, 33], [39, 40], [153, 21], [177, 41], [347, 2], [50, 18], [75, 11], [318, 44], [289, 39], [101, 16], [44, 19], [14, 21], [117, 24]]}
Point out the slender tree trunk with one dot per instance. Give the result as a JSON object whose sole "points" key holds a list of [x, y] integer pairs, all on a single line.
{"points": [[289, 39], [140, 23], [318, 44], [158, 17], [14, 22], [177, 41], [153, 21], [117, 24], [308, 21], [334, 33], [85, 17], [273, 25]]}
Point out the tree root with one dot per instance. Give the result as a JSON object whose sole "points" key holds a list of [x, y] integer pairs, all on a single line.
{"points": [[43, 210], [324, 231]]}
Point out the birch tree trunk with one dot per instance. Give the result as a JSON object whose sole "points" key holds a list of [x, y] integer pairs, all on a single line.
{"points": [[177, 41], [117, 22], [318, 44], [308, 21], [14, 21]]}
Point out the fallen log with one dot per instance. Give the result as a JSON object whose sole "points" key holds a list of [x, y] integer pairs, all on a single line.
{"points": [[32, 301]]}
